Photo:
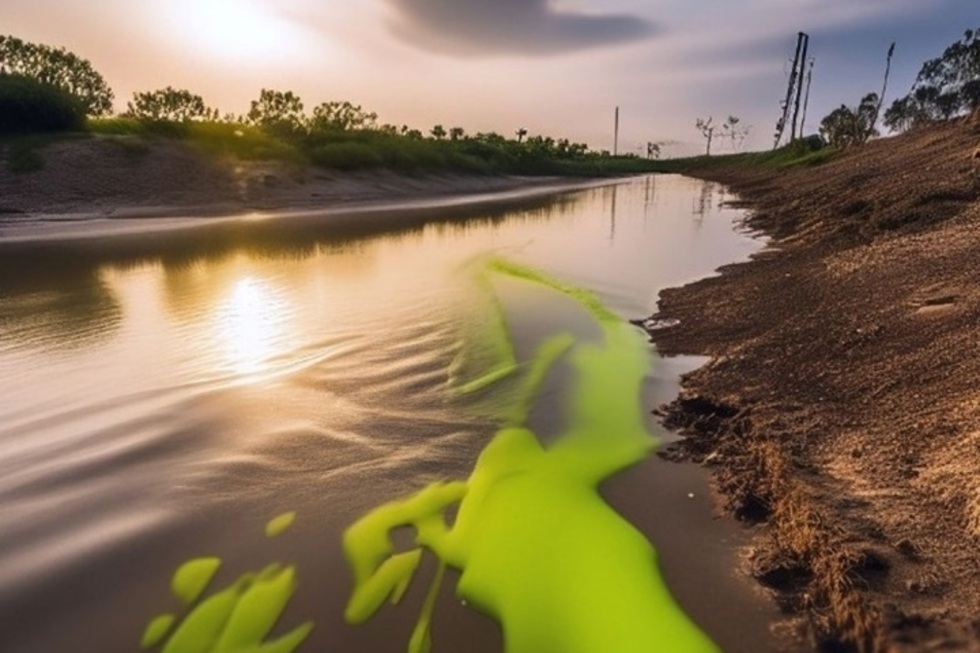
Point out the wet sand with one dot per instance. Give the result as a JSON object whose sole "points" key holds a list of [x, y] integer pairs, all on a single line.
{"points": [[840, 410]]}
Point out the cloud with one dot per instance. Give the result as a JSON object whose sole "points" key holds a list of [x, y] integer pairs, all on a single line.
{"points": [[509, 27]]}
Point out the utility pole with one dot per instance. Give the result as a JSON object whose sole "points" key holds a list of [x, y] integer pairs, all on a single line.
{"points": [[794, 78], [806, 97], [884, 89], [616, 135], [799, 87]]}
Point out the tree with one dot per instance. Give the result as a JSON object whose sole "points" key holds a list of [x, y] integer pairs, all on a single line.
{"points": [[438, 132], [707, 130], [169, 104], [277, 110], [456, 133], [846, 126], [58, 67], [945, 87], [653, 150], [899, 116], [521, 133], [735, 134], [342, 116]]}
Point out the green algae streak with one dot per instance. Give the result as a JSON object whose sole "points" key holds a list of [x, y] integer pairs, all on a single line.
{"points": [[538, 548]]}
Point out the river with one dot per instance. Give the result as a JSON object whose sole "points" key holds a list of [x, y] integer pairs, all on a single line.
{"points": [[162, 402]]}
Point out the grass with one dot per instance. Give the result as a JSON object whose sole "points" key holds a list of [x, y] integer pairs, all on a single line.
{"points": [[799, 154], [374, 149]]}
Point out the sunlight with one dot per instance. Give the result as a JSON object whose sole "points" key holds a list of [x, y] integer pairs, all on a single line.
{"points": [[250, 323], [242, 30]]}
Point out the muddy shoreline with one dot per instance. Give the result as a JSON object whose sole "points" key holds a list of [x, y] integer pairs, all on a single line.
{"points": [[840, 410]]}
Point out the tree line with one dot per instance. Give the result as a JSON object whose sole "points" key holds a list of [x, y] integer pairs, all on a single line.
{"points": [[280, 113], [946, 87]]}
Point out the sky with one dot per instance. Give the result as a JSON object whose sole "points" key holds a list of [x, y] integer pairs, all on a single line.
{"points": [[554, 67]]}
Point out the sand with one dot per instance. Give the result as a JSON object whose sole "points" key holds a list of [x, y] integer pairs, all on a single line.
{"points": [[841, 408]]}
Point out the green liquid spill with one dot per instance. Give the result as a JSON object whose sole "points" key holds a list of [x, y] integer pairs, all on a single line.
{"points": [[538, 548]]}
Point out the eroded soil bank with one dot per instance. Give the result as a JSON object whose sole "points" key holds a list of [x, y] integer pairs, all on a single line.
{"points": [[116, 177], [841, 410]]}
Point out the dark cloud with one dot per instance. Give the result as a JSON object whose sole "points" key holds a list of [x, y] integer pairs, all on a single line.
{"points": [[522, 27]]}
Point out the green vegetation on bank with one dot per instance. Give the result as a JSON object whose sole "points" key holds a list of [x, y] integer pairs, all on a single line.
{"points": [[805, 152], [45, 89], [374, 147]]}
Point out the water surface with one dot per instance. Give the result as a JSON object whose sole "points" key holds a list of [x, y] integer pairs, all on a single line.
{"points": [[161, 402]]}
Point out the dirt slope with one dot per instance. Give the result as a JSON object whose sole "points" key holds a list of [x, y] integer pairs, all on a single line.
{"points": [[842, 405], [104, 176]]}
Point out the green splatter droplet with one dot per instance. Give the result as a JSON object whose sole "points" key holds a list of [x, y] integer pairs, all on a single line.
{"points": [[257, 610], [280, 524], [157, 630], [193, 577]]}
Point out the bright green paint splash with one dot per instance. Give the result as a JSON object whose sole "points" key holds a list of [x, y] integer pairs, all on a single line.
{"points": [[538, 548], [235, 619]]}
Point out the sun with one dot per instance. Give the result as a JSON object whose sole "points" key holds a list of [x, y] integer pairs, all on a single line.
{"points": [[240, 30]]}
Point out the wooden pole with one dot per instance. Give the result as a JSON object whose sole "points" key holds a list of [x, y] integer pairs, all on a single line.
{"points": [[616, 135], [806, 97], [781, 125], [799, 86]]}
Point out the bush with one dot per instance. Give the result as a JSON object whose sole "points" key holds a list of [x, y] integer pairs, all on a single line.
{"points": [[346, 156], [240, 141], [116, 126], [29, 106]]}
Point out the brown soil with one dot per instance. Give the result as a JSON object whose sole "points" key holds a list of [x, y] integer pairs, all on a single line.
{"points": [[111, 176], [841, 408]]}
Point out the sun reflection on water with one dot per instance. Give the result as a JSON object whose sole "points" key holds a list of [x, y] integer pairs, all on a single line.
{"points": [[252, 325]]}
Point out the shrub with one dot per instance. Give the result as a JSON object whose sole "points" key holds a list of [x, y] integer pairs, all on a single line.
{"points": [[346, 156], [240, 141], [116, 126], [29, 106]]}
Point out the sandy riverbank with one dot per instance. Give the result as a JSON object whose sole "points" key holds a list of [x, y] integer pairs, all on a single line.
{"points": [[841, 410], [106, 186]]}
